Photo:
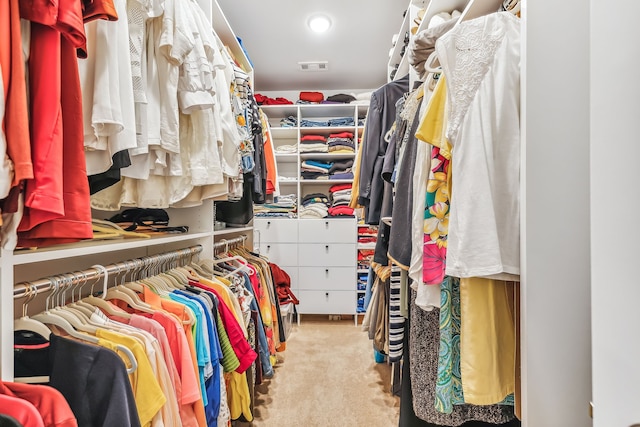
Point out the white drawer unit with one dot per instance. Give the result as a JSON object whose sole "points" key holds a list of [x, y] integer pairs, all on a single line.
{"points": [[320, 256], [276, 230], [326, 302], [283, 254], [294, 275], [326, 278], [327, 254], [328, 230]]}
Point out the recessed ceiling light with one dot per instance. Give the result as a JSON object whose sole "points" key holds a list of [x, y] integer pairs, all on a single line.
{"points": [[319, 23]]}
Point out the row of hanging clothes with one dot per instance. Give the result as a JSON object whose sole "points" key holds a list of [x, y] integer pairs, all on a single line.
{"points": [[163, 340], [112, 103], [439, 167]]}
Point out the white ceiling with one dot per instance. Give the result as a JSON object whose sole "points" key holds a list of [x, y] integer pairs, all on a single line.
{"points": [[276, 37]]}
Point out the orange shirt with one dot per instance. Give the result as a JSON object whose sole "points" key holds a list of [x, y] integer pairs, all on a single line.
{"points": [[16, 119], [269, 157]]}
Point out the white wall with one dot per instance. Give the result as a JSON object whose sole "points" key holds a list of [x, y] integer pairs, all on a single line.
{"points": [[615, 213], [555, 290]]}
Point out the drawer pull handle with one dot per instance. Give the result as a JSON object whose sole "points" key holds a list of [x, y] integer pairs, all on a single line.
{"points": [[326, 224], [268, 223], [268, 248], [326, 294], [326, 271], [326, 247]]}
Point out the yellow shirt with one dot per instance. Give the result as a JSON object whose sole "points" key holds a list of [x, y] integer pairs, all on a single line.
{"points": [[433, 126], [146, 390], [238, 395]]}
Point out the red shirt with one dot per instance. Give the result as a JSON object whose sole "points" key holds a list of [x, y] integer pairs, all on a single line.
{"points": [[24, 412], [53, 408], [240, 345], [57, 206]]}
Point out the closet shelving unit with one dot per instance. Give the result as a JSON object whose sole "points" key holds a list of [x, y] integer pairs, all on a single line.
{"points": [[397, 57], [318, 254], [363, 265], [31, 264]]}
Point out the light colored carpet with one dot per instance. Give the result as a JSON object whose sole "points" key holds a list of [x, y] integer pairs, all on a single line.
{"points": [[327, 377]]}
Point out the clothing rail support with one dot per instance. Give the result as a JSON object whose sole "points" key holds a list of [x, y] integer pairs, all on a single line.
{"points": [[24, 289]]}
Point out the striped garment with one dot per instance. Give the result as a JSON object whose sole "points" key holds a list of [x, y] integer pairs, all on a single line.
{"points": [[396, 320]]}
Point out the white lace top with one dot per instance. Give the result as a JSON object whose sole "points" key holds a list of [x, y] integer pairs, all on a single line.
{"points": [[481, 60]]}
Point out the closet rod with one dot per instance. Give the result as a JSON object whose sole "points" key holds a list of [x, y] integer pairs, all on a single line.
{"points": [[228, 242], [43, 285]]}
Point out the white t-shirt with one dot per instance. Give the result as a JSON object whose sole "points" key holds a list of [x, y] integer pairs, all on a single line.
{"points": [[481, 60], [107, 91]]}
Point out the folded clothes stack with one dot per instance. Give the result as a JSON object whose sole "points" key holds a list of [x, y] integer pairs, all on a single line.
{"points": [[284, 206], [341, 121], [341, 143], [289, 122], [265, 100], [339, 98], [340, 196], [315, 169], [341, 169], [307, 97], [313, 144], [362, 98], [314, 205], [286, 149], [313, 123]]}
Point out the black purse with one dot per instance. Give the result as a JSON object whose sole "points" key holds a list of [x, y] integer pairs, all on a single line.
{"points": [[237, 213]]}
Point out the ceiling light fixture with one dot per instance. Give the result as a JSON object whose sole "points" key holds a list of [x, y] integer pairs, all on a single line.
{"points": [[319, 23]]}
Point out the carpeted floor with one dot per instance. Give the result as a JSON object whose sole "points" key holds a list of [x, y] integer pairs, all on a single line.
{"points": [[327, 377]]}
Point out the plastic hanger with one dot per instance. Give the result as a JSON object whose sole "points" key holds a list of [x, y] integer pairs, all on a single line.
{"points": [[125, 294], [430, 64], [52, 318], [75, 305], [25, 323], [76, 320], [100, 302], [119, 293]]}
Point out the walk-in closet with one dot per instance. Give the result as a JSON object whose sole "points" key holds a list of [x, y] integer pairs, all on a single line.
{"points": [[229, 213]]}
